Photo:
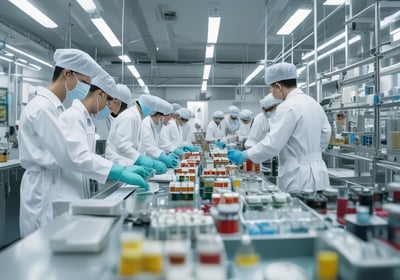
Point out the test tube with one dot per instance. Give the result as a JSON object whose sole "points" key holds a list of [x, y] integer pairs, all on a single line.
{"points": [[341, 205]]}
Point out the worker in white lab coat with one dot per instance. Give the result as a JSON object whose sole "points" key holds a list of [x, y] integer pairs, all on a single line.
{"points": [[298, 133], [215, 133], [184, 120], [260, 126], [230, 123], [171, 137], [246, 121], [150, 135], [125, 132], [44, 148], [78, 123]]}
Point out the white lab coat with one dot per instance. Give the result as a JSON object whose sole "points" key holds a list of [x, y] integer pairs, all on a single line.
{"points": [[170, 136], [214, 132], [187, 132], [229, 126], [73, 185], [149, 138], [298, 133], [46, 145], [258, 130], [244, 130], [123, 139]]}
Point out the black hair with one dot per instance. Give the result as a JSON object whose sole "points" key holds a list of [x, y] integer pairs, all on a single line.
{"points": [[291, 83], [93, 88], [57, 73], [123, 107]]}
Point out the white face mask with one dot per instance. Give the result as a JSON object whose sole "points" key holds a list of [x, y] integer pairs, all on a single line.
{"points": [[269, 115]]}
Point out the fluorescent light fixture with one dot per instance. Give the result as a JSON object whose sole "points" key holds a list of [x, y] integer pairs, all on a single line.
{"points": [[253, 74], [34, 13], [213, 29], [20, 60], [34, 67], [206, 72], [341, 46], [106, 31], [29, 55], [33, 80], [298, 17], [9, 54], [204, 86], [124, 58], [146, 89], [300, 70], [141, 82], [87, 5], [396, 36], [334, 2], [210, 51], [394, 31], [5, 59], [390, 19], [324, 45], [134, 71]]}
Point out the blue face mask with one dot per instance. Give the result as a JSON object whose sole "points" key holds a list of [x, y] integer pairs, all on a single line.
{"points": [[103, 114], [145, 110], [79, 92], [269, 115]]}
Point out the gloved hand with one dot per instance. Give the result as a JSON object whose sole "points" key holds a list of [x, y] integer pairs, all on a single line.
{"points": [[219, 144], [159, 166], [178, 151], [236, 156], [119, 173], [188, 148], [144, 161], [143, 171], [175, 156], [169, 160]]}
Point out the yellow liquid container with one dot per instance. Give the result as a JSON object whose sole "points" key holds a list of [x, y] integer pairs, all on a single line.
{"points": [[236, 182], [327, 265], [131, 262], [152, 257], [132, 240]]}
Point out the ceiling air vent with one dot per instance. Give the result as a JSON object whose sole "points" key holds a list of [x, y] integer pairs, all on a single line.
{"points": [[169, 15]]}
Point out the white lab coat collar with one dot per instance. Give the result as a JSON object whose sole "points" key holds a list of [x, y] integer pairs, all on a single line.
{"points": [[48, 94], [79, 105], [294, 92]]}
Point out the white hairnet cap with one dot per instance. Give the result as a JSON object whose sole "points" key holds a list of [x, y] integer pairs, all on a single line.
{"points": [[77, 61], [280, 72], [269, 101], [156, 104], [106, 83], [184, 113], [176, 107], [218, 115], [234, 111], [246, 115], [123, 94]]}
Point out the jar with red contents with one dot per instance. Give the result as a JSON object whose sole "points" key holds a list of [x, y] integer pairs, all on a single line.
{"points": [[394, 192], [227, 223], [209, 249]]}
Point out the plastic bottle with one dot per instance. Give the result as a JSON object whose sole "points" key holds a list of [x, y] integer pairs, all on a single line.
{"points": [[247, 260]]}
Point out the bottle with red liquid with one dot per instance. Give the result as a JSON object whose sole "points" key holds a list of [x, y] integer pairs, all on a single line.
{"points": [[341, 205]]}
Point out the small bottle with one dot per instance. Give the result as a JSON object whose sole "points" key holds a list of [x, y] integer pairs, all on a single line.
{"points": [[366, 199], [341, 205], [327, 265], [247, 260]]}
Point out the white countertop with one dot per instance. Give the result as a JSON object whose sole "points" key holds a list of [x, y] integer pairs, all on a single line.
{"points": [[9, 163], [32, 258]]}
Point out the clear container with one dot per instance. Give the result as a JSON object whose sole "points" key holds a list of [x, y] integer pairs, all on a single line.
{"points": [[247, 261]]}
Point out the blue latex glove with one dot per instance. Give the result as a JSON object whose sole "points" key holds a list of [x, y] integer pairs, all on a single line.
{"points": [[144, 161], [178, 151], [236, 156], [169, 160], [143, 171], [159, 166], [219, 144], [119, 173], [188, 148]]}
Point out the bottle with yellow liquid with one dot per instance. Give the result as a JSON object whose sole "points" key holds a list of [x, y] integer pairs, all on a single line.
{"points": [[247, 261], [327, 265]]}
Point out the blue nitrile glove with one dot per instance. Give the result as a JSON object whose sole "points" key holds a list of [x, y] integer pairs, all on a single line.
{"points": [[188, 148], [169, 160], [236, 156], [119, 173], [144, 161], [219, 144], [159, 166], [178, 151], [175, 156], [143, 171]]}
